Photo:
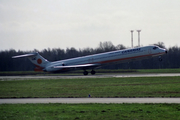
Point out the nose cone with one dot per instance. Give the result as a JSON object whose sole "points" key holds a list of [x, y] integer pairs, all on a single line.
{"points": [[165, 51]]}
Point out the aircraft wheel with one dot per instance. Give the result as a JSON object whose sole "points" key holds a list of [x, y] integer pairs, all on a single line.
{"points": [[93, 72], [160, 59], [85, 72]]}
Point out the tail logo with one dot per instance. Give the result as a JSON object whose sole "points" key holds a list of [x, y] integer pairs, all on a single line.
{"points": [[39, 61]]}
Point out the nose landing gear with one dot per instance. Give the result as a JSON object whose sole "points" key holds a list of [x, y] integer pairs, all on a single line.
{"points": [[160, 59]]}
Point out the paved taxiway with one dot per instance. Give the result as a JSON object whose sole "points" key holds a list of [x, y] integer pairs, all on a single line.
{"points": [[89, 100], [2, 78]]}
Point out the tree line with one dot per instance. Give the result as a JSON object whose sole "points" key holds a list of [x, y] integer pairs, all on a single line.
{"points": [[170, 60]]}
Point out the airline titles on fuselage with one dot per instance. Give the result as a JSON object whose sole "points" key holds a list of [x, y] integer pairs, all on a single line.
{"points": [[127, 51]]}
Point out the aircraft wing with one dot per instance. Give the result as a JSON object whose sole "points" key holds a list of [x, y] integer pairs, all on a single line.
{"points": [[86, 66]]}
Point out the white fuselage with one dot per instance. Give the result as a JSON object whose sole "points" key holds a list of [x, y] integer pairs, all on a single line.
{"points": [[119, 55]]}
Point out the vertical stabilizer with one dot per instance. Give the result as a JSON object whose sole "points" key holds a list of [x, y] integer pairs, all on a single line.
{"points": [[38, 60], [35, 58]]}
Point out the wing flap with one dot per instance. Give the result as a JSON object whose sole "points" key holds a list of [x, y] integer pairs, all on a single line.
{"points": [[78, 66]]}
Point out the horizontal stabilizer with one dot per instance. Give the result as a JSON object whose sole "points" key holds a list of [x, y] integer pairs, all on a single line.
{"points": [[26, 55], [77, 66]]}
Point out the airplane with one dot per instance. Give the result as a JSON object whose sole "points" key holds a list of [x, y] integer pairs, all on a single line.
{"points": [[93, 61]]}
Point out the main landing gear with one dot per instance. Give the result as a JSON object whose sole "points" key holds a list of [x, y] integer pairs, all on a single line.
{"points": [[86, 72]]}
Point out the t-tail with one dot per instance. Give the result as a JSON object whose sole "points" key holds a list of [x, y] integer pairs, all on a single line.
{"points": [[36, 59]]}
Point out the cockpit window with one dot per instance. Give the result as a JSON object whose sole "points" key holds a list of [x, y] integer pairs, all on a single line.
{"points": [[155, 48]]}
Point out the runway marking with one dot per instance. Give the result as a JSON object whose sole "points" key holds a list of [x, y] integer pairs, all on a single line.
{"points": [[89, 100]]}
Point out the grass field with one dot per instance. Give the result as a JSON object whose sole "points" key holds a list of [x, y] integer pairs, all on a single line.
{"points": [[97, 87], [90, 111]]}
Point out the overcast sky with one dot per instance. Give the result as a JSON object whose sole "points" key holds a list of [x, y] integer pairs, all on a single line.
{"points": [[40, 24]]}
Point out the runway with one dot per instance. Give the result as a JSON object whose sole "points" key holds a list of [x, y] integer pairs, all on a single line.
{"points": [[2, 78], [89, 100]]}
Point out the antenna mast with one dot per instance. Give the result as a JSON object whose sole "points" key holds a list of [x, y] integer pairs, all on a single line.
{"points": [[139, 37]]}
